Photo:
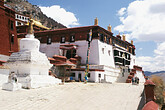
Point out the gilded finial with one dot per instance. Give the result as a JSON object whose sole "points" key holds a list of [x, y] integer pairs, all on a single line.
{"points": [[96, 21], [109, 28], [123, 37], [132, 42], [30, 28]]}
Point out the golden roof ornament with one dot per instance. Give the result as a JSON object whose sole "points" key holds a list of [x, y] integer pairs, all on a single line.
{"points": [[109, 28], [123, 37], [30, 28], [96, 21]]}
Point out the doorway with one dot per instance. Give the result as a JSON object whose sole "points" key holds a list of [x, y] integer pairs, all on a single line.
{"points": [[68, 54], [79, 76]]}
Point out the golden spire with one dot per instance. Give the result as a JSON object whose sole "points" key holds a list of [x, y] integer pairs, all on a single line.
{"points": [[123, 37], [109, 28], [96, 21], [30, 28], [132, 42]]}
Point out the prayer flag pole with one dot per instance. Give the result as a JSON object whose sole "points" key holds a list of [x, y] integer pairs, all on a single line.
{"points": [[87, 60]]}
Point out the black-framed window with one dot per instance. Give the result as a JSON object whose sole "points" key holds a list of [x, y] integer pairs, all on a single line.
{"points": [[126, 55], [72, 38], [12, 38], [99, 75], [121, 54], [11, 24], [89, 75], [133, 51], [108, 40], [116, 53], [18, 23], [63, 39], [101, 37], [74, 53], [49, 40], [129, 57], [129, 49], [109, 52], [103, 50]]}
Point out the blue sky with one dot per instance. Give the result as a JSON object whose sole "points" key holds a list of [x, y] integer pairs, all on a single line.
{"points": [[87, 10], [141, 20]]}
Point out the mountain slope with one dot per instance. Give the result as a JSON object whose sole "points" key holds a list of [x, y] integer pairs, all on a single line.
{"points": [[26, 8], [159, 73], [148, 73]]}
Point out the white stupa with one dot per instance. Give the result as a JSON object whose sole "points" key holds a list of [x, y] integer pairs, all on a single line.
{"points": [[30, 65]]}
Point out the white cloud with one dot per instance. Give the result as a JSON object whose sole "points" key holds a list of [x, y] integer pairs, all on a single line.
{"points": [[156, 63], [121, 12], [60, 15], [144, 20]]}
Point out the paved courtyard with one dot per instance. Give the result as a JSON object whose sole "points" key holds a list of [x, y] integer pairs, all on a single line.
{"points": [[74, 96]]}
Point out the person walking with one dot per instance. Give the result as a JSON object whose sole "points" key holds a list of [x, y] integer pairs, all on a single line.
{"points": [[133, 80]]}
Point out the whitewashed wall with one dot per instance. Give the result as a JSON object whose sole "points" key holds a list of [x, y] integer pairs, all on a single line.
{"points": [[140, 75], [96, 57], [53, 49], [104, 57], [3, 76], [133, 61], [94, 75], [93, 55]]}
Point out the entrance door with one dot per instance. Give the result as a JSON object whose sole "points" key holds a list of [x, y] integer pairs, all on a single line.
{"points": [[79, 76], [68, 54]]}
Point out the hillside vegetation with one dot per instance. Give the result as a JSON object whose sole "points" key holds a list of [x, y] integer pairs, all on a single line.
{"points": [[159, 89]]}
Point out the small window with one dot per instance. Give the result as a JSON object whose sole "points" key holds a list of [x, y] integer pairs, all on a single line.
{"points": [[23, 18], [89, 75], [130, 50], [72, 38], [121, 53], [101, 37], [99, 75], [103, 50], [12, 38], [11, 25], [49, 40], [18, 23], [74, 53], [109, 52], [108, 40], [17, 16], [62, 39]]}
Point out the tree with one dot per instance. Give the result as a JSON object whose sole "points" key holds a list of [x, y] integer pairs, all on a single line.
{"points": [[159, 89]]}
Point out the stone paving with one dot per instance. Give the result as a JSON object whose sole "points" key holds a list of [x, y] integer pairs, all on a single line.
{"points": [[74, 96]]}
